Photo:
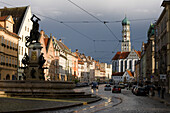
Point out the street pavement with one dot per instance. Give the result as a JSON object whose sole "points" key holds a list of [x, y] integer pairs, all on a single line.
{"points": [[124, 102], [33, 105]]}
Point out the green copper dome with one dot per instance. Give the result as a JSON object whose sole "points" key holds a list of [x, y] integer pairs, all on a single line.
{"points": [[125, 21]]}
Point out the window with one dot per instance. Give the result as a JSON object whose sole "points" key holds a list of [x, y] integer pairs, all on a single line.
{"points": [[12, 61], [13, 44], [9, 60], [28, 29], [6, 59], [7, 42], [22, 51], [19, 50], [10, 43], [125, 64], [15, 62], [22, 38], [25, 28], [25, 50], [122, 66], [130, 64]]}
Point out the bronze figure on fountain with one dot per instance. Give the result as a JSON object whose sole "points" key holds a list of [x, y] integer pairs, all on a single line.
{"points": [[34, 61]]}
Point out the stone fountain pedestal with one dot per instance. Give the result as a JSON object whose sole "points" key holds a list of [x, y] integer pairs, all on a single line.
{"points": [[34, 70], [40, 89]]}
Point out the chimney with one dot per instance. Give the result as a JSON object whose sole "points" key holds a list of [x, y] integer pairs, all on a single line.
{"points": [[60, 40]]}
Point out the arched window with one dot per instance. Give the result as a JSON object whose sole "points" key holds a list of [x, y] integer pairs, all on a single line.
{"points": [[125, 64], [7, 77], [130, 64], [122, 66]]}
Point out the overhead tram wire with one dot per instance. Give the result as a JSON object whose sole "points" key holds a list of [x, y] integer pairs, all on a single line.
{"points": [[58, 22], [107, 21], [95, 18]]}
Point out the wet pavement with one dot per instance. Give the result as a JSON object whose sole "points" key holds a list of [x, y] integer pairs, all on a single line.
{"points": [[124, 102]]}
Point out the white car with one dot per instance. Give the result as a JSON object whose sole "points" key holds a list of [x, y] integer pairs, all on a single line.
{"points": [[107, 87]]}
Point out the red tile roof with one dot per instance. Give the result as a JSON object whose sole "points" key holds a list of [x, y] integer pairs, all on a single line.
{"points": [[17, 13], [2, 18], [118, 74], [46, 41], [138, 53], [120, 55]]}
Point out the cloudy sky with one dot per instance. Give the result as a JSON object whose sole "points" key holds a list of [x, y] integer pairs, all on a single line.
{"points": [[83, 30]]}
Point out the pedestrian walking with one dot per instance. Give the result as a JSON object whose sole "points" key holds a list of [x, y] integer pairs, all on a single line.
{"points": [[163, 93], [159, 90]]}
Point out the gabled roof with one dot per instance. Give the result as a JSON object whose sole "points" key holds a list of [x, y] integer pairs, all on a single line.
{"points": [[46, 41], [17, 14], [118, 74], [79, 59], [3, 18], [130, 73], [8, 32], [138, 53], [63, 46], [120, 55]]}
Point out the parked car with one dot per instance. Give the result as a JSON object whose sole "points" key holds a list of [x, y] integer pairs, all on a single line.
{"points": [[121, 85], [140, 91], [148, 87], [133, 87], [107, 87], [94, 85], [116, 89], [111, 83]]}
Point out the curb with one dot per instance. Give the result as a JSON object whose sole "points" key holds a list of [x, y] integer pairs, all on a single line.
{"points": [[161, 101], [54, 108]]}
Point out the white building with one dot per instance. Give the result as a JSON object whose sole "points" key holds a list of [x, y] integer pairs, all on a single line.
{"points": [[22, 27], [126, 58], [127, 76]]}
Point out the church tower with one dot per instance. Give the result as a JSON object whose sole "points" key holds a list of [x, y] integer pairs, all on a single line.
{"points": [[126, 44]]}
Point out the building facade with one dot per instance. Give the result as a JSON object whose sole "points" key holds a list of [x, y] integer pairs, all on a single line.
{"points": [[22, 27], [163, 46], [8, 49]]}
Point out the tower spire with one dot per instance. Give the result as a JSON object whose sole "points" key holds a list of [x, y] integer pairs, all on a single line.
{"points": [[126, 44]]}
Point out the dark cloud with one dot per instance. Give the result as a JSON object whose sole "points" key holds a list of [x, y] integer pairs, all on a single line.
{"points": [[110, 10]]}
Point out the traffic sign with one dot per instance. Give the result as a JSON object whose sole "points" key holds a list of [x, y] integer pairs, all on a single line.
{"points": [[162, 76]]}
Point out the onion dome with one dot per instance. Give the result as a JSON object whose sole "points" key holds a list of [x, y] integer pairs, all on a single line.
{"points": [[125, 21]]}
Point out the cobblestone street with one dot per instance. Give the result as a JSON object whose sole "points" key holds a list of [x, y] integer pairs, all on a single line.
{"points": [[118, 103]]}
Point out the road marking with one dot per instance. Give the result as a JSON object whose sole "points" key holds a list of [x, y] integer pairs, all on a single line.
{"points": [[55, 100]]}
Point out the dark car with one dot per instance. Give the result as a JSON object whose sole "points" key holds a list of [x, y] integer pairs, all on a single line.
{"points": [[149, 87], [133, 87], [116, 89], [94, 85], [140, 91]]}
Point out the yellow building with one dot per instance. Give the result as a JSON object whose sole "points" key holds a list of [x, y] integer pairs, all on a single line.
{"points": [[8, 49]]}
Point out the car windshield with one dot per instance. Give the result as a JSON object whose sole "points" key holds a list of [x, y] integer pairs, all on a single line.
{"points": [[107, 85], [116, 86]]}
